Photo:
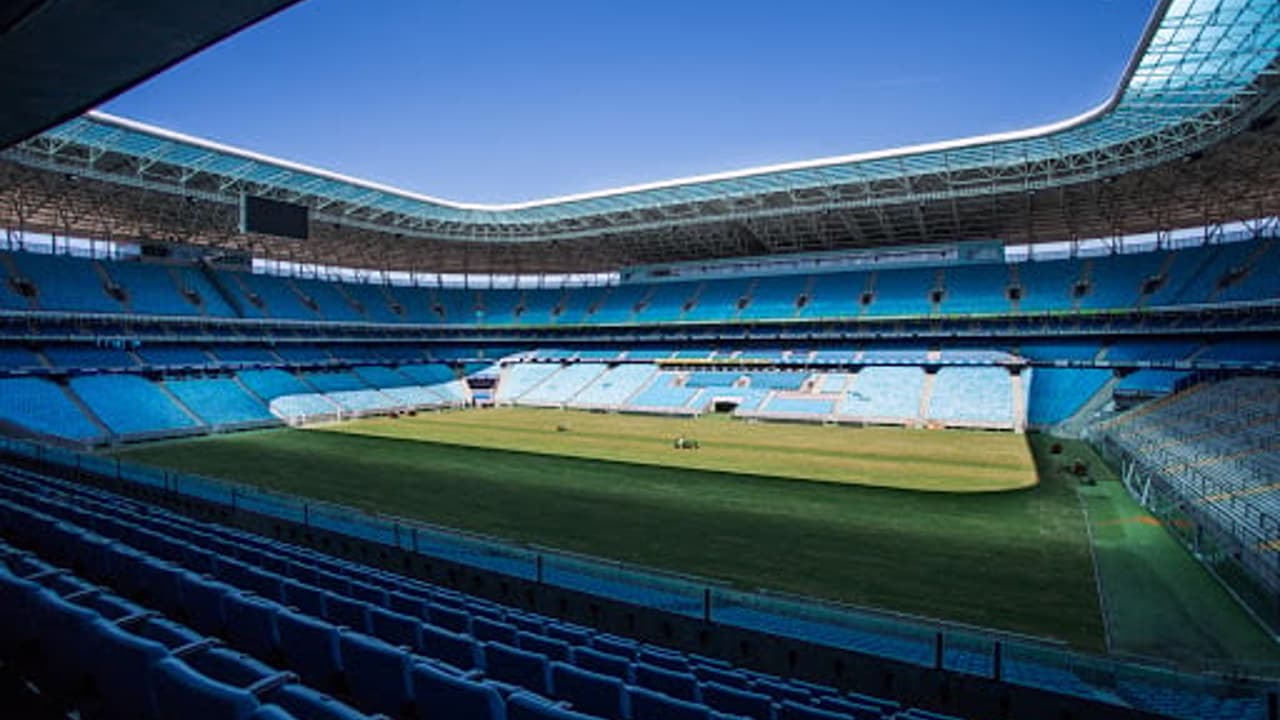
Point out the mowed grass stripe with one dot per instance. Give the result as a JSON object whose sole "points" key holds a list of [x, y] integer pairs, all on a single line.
{"points": [[1013, 560], [957, 461]]}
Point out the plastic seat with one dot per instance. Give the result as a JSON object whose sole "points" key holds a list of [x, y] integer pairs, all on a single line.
{"points": [[202, 601], [668, 682], [120, 666], [406, 604], [487, 630], [514, 666], [371, 594], [602, 662], [589, 692], [736, 701], [396, 629], [552, 648], [251, 624], [663, 659], [615, 645], [311, 648], [441, 694], [306, 598], [451, 648], [576, 636], [181, 692], [791, 710], [377, 673], [649, 705], [307, 704], [448, 618], [780, 690], [351, 614], [523, 706]]}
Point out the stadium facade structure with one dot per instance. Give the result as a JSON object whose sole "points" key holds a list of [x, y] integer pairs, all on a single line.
{"points": [[863, 289]]}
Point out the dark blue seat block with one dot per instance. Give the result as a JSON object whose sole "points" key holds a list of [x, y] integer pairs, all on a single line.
{"points": [[229, 666], [121, 664], [441, 694], [663, 659], [407, 604], [487, 630], [311, 648], [736, 701], [251, 624], [791, 710], [576, 636], [371, 594], [181, 692], [307, 599], [552, 648], [649, 705], [523, 706], [448, 618], [163, 583], [396, 629], [589, 692], [166, 632], [602, 662], [202, 601], [615, 645], [852, 708], [307, 704], [451, 648], [724, 676], [352, 614], [668, 682], [377, 673], [780, 690], [271, 712], [514, 666]]}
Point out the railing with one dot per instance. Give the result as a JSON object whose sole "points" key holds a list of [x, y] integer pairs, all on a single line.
{"points": [[924, 642]]}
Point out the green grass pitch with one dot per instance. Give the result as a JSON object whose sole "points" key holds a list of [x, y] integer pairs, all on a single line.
{"points": [[938, 554], [975, 527]]}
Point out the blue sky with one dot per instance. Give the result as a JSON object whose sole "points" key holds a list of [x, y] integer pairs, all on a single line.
{"points": [[509, 100]]}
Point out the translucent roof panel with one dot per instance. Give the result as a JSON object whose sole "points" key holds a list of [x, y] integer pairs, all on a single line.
{"points": [[1197, 57]]}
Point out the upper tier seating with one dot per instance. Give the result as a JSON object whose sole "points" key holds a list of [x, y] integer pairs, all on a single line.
{"points": [[150, 290], [1230, 272]]}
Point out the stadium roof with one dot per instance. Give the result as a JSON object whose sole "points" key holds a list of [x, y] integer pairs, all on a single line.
{"points": [[58, 59], [1202, 78]]}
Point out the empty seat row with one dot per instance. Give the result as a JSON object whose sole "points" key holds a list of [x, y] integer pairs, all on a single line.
{"points": [[344, 644]]}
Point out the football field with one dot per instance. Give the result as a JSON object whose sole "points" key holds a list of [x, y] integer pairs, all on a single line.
{"points": [[982, 528], [737, 509]]}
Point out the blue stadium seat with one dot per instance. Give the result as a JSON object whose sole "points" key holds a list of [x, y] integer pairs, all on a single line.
{"points": [[650, 705], [458, 621], [251, 624], [590, 692], [440, 693], [486, 630], [181, 692], [514, 666], [305, 598], [202, 601], [602, 662], [791, 710], [351, 614], [311, 648], [736, 701], [449, 647], [377, 673], [524, 706], [682, 685], [553, 649], [396, 628], [306, 703], [122, 663]]}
